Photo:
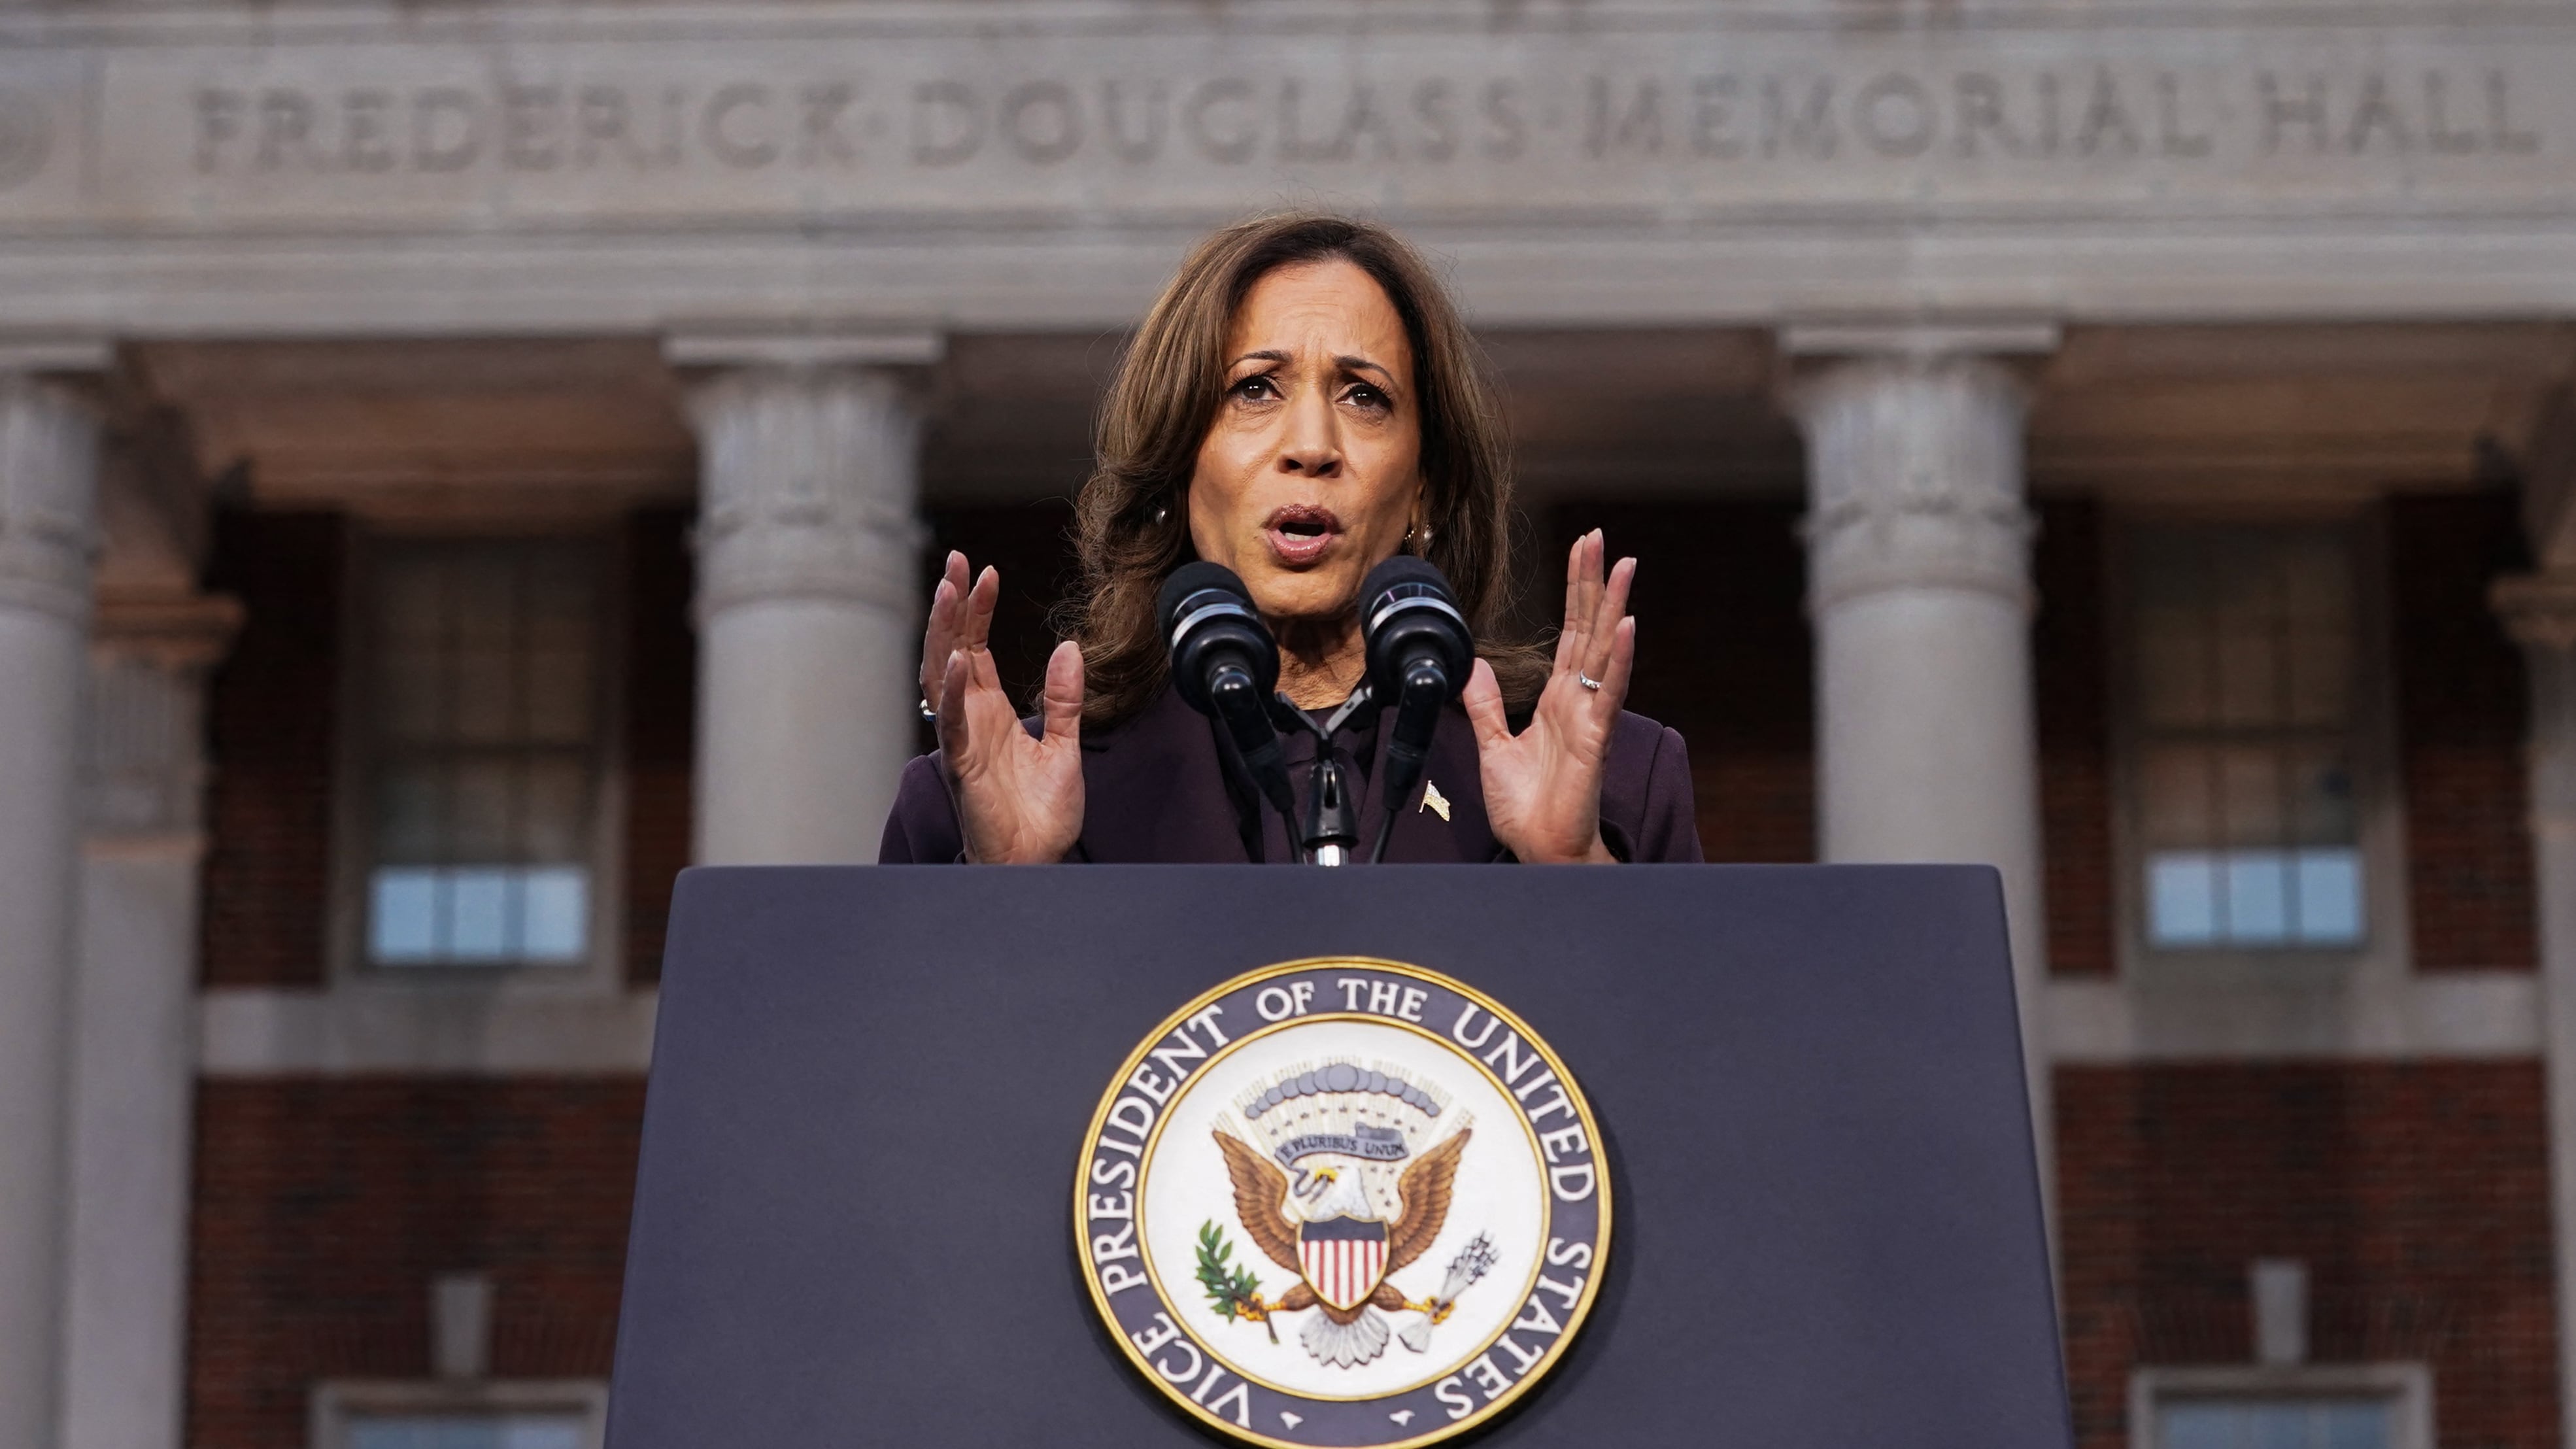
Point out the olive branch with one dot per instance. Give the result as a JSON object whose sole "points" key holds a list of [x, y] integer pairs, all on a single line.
{"points": [[1232, 1288]]}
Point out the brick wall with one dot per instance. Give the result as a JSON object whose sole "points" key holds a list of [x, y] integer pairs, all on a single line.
{"points": [[661, 727], [324, 1208], [270, 713], [2460, 728], [2070, 672], [2418, 1194]]}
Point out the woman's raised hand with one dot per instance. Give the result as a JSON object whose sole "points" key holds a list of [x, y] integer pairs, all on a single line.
{"points": [[1019, 798], [1543, 785]]}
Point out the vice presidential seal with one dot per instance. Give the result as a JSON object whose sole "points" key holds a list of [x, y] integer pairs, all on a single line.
{"points": [[1343, 1202]]}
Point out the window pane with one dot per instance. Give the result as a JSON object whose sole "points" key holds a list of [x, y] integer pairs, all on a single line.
{"points": [[2317, 689], [554, 809], [2361, 1425], [558, 697], [2249, 674], [2315, 572], [409, 820], [2182, 898], [482, 921], [2256, 884], [479, 916], [482, 811], [2180, 786], [2251, 796], [2197, 1426], [2320, 784], [2328, 883], [410, 697], [2342, 1422], [562, 600], [411, 602], [557, 903], [402, 916], [487, 706], [466, 1431], [484, 595], [2174, 667]]}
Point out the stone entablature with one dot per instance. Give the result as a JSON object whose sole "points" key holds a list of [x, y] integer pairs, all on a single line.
{"points": [[1628, 139], [1432, 110]]}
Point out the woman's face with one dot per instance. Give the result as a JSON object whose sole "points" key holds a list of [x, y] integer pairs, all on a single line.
{"points": [[1311, 473]]}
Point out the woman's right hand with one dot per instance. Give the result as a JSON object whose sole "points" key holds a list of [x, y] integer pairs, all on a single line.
{"points": [[1019, 799]]}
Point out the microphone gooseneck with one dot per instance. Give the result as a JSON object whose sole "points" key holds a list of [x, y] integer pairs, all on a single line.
{"points": [[1226, 666], [1419, 652]]}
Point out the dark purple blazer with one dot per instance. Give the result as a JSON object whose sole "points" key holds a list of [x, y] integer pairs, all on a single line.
{"points": [[1164, 787]]}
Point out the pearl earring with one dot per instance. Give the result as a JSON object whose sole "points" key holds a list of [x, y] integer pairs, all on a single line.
{"points": [[1162, 514]]}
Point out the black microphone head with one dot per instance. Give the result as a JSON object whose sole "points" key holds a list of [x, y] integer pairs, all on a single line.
{"points": [[1209, 625], [1195, 577], [1408, 614]]}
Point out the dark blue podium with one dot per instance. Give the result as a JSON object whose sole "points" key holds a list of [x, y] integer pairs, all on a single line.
{"points": [[870, 1089]]}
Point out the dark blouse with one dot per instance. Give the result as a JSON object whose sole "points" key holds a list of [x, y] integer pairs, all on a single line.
{"points": [[1167, 786]]}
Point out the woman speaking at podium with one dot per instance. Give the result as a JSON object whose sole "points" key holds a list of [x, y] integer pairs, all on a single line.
{"points": [[1302, 403]]}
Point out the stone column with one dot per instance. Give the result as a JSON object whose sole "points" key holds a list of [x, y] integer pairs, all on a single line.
{"points": [[134, 1050], [808, 582], [2540, 612], [1918, 558], [48, 484]]}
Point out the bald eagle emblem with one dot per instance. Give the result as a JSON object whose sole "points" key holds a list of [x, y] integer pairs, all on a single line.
{"points": [[1350, 1183]]}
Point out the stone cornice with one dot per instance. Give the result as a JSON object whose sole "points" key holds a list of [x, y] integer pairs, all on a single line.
{"points": [[751, 346], [1921, 337], [369, 169]]}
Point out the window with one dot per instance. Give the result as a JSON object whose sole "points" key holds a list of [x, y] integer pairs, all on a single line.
{"points": [[2295, 1406], [2244, 644], [2276, 1423], [484, 759]]}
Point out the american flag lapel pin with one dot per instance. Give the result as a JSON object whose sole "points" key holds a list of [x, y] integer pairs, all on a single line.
{"points": [[1433, 800]]}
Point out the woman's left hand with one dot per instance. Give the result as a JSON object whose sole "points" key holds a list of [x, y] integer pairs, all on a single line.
{"points": [[1543, 785]]}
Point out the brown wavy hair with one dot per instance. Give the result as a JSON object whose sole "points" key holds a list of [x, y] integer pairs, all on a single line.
{"points": [[1131, 520]]}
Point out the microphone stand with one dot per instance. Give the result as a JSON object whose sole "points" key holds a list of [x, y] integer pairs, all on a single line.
{"points": [[1417, 710], [1331, 830]]}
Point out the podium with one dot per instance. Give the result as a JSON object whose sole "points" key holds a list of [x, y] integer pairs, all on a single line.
{"points": [[871, 1087]]}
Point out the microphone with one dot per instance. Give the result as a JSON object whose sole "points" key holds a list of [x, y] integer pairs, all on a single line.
{"points": [[1419, 651], [1226, 666]]}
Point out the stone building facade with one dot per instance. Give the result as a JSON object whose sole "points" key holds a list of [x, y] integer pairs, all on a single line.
{"points": [[460, 463]]}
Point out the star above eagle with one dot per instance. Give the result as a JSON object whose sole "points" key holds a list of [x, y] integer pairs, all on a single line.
{"points": [[1347, 1331]]}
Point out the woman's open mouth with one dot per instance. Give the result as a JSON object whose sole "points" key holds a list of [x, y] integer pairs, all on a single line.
{"points": [[1301, 533]]}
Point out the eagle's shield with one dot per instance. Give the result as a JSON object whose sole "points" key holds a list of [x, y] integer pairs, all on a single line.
{"points": [[1344, 1258]]}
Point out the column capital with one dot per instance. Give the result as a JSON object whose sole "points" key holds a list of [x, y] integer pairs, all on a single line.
{"points": [[809, 477], [49, 426], [1914, 463]]}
